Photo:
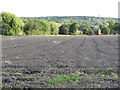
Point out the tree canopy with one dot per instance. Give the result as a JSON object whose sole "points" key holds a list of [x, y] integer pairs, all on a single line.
{"points": [[73, 28], [71, 25], [11, 24]]}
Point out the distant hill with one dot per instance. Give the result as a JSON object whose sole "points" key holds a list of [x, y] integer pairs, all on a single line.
{"points": [[89, 20]]}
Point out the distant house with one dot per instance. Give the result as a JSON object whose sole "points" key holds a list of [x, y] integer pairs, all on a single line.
{"points": [[79, 32], [97, 32]]}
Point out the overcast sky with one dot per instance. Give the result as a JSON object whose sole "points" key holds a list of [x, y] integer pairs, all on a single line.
{"points": [[37, 8]]}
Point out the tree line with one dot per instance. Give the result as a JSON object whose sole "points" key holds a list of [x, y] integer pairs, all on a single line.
{"points": [[90, 20], [13, 25]]}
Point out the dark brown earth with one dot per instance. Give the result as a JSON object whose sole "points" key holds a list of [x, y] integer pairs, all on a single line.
{"points": [[27, 60]]}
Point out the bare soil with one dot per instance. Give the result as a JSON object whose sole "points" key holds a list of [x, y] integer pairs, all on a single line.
{"points": [[28, 60]]}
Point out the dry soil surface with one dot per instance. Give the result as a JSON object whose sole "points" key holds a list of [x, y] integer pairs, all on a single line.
{"points": [[60, 62]]}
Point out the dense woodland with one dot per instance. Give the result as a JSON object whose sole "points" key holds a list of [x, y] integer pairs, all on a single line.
{"points": [[55, 25]]}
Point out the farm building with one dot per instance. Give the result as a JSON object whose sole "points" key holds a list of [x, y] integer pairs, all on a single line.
{"points": [[79, 32], [97, 32]]}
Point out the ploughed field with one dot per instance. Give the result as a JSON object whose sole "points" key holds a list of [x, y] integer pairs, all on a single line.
{"points": [[60, 62]]}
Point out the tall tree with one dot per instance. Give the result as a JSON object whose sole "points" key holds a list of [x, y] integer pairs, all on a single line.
{"points": [[64, 29], [31, 26], [85, 31], [45, 27], [11, 23], [104, 29], [116, 27], [54, 27], [73, 28]]}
